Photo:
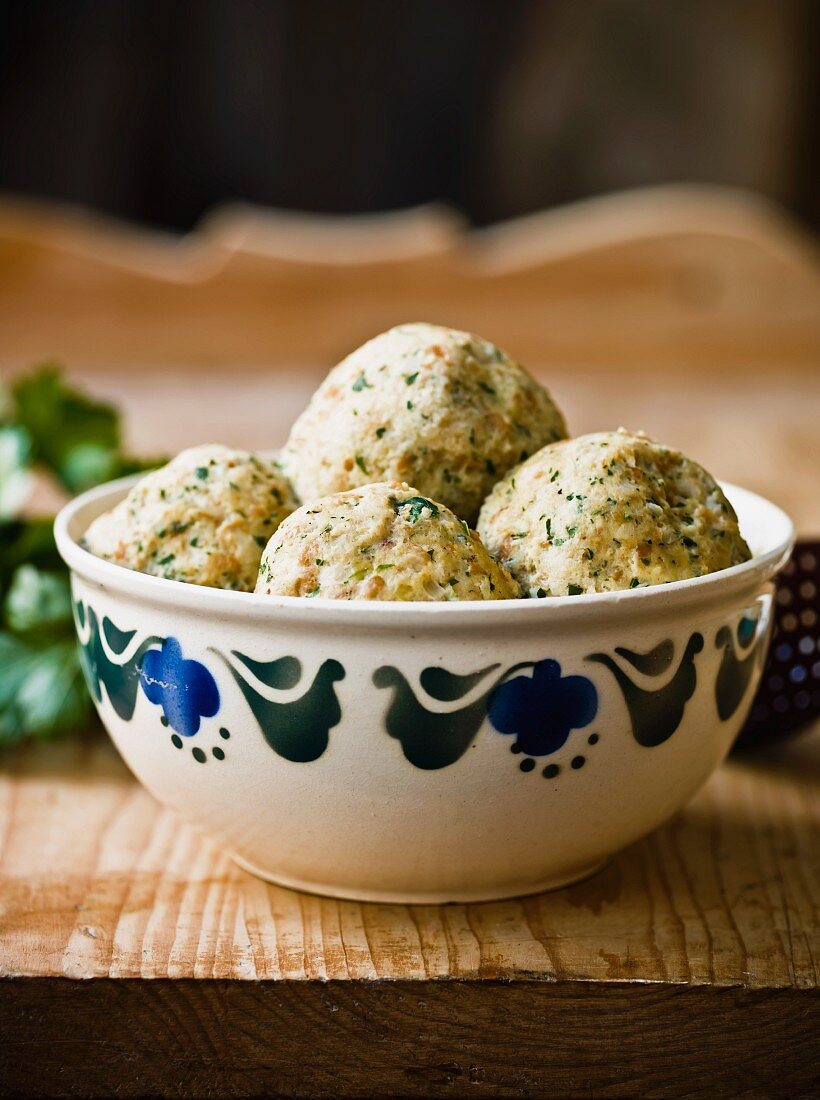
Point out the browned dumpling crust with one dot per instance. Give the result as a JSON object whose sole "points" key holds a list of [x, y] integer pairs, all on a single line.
{"points": [[380, 542], [204, 518], [609, 511], [437, 408]]}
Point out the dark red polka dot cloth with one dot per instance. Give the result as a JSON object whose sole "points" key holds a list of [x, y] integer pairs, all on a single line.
{"points": [[789, 693]]}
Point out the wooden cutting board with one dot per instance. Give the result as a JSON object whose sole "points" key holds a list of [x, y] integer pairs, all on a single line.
{"points": [[687, 967]]}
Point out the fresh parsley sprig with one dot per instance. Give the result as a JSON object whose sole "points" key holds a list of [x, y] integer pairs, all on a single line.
{"points": [[45, 425]]}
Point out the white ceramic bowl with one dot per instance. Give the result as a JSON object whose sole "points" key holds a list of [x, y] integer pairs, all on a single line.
{"points": [[425, 752]]}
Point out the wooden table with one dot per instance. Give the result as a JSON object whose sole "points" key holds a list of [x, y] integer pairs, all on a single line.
{"points": [[687, 968], [141, 961]]}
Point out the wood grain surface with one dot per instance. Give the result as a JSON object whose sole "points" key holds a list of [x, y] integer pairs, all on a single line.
{"points": [[657, 280], [96, 880], [687, 968], [386, 1039]]}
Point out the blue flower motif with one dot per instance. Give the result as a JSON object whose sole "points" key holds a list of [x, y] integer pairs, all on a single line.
{"points": [[541, 710], [184, 689]]}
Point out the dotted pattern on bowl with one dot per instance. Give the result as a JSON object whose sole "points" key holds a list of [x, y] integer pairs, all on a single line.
{"points": [[789, 693]]}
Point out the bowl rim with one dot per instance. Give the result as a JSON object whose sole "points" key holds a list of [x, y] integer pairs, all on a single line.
{"points": [[198, 599]]}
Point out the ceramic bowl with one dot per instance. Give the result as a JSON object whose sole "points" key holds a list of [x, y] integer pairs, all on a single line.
{"points": [[426, 752]]}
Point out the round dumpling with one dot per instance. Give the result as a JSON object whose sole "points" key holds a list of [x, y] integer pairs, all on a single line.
{"points": [[204, 518], [380, 542], [609, 511], [441, 409]]}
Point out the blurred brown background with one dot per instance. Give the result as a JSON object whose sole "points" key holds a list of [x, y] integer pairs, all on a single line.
{"points": [[623, 193], [156, 110]]}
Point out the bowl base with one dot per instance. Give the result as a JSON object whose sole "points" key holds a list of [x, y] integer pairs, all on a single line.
{"points": [[388, 897]]}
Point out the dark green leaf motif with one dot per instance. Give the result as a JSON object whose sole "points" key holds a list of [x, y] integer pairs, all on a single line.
{"points": [[121, 680], [652, 663], [735, 673], [283, 673], [432, 739], [117, 639], [447, 687], [655, 714], [297, 730]]}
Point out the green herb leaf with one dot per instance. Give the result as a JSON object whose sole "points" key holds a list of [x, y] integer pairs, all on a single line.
{"points": [[66, 428], [416, 506], [16, 479], [38, 599], [75, 437], [45, 422], [42, 693]]}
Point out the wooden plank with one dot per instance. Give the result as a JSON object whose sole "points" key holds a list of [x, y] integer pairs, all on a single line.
{"points": [[96, 880], [529, 1038], [662, 279]]}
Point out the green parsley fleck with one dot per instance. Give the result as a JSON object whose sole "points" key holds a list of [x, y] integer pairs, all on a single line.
{"points": [[409, 379], [201, 472], [416, 506], [574, 590], [361, 383], [360, 462]]}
